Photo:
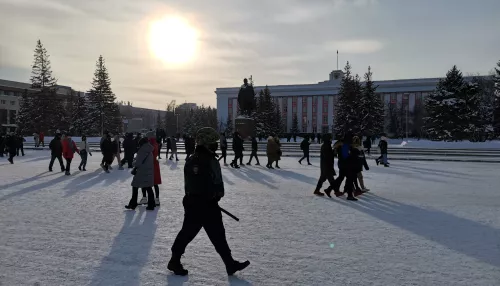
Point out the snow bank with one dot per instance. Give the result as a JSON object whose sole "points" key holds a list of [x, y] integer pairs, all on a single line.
{"points": [[414, 143]]}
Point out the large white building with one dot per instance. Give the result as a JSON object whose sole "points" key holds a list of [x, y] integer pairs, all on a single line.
{"points": [[314, 103]]}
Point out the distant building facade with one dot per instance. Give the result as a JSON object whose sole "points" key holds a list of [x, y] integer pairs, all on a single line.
{"points": [[314, 104], [10, 96]]}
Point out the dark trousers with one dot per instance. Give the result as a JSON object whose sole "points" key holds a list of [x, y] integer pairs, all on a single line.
{"points": [[339, 180], [157, 191], [306, 156], [59, 158], [323, 178], [368, 151], [224, 155], [83, 155], [253, 154], [199, 215], [68, 164], [2, 150], [11, 156], [237, 155], [135, 191], [128, 159], [168, 149], [20, 148]]}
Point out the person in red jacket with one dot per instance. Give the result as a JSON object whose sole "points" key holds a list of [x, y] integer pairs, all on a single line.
{"points": [[41, 138], [157, 175], [69, 149]]}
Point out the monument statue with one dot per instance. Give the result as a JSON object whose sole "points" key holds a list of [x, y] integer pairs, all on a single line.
{"points": [[246, 98]]}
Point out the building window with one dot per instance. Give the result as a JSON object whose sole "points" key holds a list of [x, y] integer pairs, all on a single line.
{"points": [[1, 92], [3, 116], [3, 102], [12, 102], [325, 119], [393, 98]]}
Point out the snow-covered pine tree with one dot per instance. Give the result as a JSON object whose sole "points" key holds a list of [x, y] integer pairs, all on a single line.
{"points": [[486, 101], [268, 113], [25, 119], [79, 118], [443, 121], [41, 72], [103, 110], [189, 126], [347, 109], [371, 108], [295, 124], [496, 106], [278, 126], [47, 110]]}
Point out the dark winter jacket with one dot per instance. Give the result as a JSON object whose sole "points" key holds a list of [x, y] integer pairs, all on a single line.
{"points": [[129, 146], [359, 154], [56, 146], [255, 146], [237, 144], [327, 159], [223, 142], [11, 143], [107, 149], [169, 143], [20, 141], [383, 146], [203, 176], [190, 145], [367, 144], [304, 145]]}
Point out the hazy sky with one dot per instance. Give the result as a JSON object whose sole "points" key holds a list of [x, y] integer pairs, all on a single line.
{"points": [[276, 41]]}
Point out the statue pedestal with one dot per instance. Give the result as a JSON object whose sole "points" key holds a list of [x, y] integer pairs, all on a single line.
{"points": [[245, 126]]}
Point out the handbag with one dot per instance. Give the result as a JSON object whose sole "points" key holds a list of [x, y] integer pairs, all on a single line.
{"points": [[134, 170]]}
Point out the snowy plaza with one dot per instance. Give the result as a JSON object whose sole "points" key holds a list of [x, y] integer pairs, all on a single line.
{"points": [[423, 223]]}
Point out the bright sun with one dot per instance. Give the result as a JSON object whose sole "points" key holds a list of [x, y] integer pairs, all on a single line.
{"points": [[172, 40]]}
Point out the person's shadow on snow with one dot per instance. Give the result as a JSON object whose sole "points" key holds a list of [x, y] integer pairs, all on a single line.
{"points": [[251, 175], [459, 234], [130, 250]]}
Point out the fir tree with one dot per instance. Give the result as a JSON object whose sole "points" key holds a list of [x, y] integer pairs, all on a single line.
{"points": [[347, 117], [450, 108], [41, 73], [496, 105], [278, 124], [25, 116], [371, 108], [47, 110], [485, 101], [103, 109], [295, 124], [79, 120]]}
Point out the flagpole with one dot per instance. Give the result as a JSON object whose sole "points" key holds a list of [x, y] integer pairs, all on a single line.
{"points": [[337, 59]]}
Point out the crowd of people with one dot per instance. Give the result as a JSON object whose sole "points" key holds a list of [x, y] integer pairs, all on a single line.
{"points": [[204, 186]]}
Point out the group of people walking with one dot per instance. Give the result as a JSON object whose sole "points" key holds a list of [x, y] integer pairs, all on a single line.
{"points": [[12, 145]]}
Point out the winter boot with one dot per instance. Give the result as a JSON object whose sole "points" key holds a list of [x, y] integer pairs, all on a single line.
{"points": [[10, 160], [130, 207], [109, 167], [143, 201], [175, 266], [377, 161], [258, 164], [339, 193], [350, 197], [80, 168], [309, 164], [67, 173], [386, 165], [235, 266], [365, 190], [328, 192], [300, 162], [318, 193], [157, 202], [248, 164], [83, 169]]}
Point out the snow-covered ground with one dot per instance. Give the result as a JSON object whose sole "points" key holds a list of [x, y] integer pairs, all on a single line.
{"points": [[424, 223]]}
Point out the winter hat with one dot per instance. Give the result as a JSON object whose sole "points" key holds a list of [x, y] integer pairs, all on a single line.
{"points": [[206, 136]]}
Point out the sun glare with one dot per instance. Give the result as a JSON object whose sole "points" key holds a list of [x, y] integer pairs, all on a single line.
{"points": [[172, 40]]}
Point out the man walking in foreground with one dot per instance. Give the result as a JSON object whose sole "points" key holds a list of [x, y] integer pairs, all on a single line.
{"points": [[203, 189]]}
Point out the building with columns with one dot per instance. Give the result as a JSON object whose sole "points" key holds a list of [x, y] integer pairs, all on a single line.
{"points": [[314, 104]]}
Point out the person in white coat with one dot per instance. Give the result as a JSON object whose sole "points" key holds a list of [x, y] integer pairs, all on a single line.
{"points": [[84, 148]]}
